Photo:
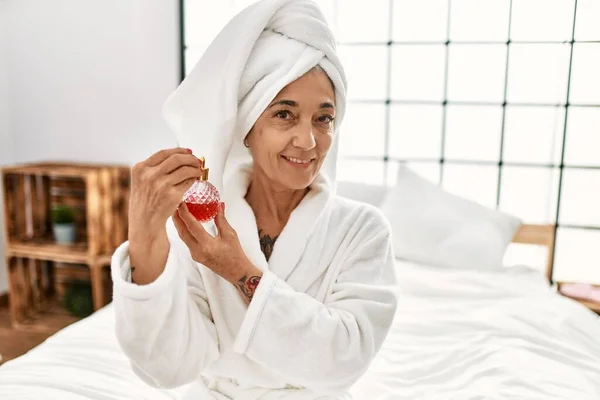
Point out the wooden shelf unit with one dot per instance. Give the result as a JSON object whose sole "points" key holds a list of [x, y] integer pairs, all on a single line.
{"points": [[100, 196], [50, 320]]}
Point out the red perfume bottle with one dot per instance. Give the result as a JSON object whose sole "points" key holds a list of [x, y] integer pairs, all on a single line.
{"points": [[203, 199]]}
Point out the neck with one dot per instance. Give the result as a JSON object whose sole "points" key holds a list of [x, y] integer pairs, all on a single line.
{"points": [[271, 203]]}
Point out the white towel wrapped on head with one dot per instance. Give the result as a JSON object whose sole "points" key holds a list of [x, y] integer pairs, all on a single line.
{"points": [[259, 52]]}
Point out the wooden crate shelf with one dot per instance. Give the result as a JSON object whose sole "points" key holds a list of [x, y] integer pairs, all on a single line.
{"points": [[99, 194], [49, 321], [47, 249]]}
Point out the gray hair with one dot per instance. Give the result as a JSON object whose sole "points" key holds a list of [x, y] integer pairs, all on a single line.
{"points": [[319, 68]]}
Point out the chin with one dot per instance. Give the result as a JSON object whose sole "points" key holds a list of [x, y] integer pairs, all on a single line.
{"points": [[297, 178], [296, 182]]}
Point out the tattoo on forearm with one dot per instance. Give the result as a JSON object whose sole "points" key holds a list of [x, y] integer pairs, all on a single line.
{"points": [[248, 286], [266, 243]]}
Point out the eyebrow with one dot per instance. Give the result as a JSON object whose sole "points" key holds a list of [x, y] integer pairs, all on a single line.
{"points": [[292, 103], [327, 105]]}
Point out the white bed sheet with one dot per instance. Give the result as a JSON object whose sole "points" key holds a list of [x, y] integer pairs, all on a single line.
{"points": [[460, 335], [83, 361], [467, 335]]}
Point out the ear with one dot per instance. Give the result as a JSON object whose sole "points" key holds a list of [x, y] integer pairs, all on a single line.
{"points": [[247, 137]]}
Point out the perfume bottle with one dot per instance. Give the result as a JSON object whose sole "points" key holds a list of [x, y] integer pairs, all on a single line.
{"points": [[203, 199]]}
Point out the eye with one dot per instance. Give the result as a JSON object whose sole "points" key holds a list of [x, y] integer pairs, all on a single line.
{"points": [[283, 114], [325, 118]]}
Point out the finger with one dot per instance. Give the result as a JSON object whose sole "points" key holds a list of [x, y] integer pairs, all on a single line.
{"points": [[182, 174], [184, 186], [195, 227], [162, 155], [182, 230], [178, 191], [176, 161], [221, 222]]}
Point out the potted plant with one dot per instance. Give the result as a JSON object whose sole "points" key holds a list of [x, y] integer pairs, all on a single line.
{"points": [[78, 299], [63, 224]]}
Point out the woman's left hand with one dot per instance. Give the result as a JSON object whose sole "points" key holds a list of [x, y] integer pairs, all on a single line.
{"points": [[222, 254]]}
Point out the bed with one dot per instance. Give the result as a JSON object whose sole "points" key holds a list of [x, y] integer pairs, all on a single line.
{"points": [[458, 334], [485, 335]]}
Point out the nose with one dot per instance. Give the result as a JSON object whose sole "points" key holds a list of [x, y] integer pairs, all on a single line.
{"points": [[304, 137]]}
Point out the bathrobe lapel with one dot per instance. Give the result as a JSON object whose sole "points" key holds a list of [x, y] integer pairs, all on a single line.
{"points": [[240, 216], [292, 244], [306, 223]]}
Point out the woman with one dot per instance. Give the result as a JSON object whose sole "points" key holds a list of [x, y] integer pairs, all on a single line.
{"points": [[290, 293]]}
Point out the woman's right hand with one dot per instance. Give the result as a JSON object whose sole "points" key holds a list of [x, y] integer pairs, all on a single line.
{"points": [[158, 185], [157, 188]]}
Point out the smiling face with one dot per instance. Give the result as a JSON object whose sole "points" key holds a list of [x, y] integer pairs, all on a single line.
{"points": [[293, 135]]}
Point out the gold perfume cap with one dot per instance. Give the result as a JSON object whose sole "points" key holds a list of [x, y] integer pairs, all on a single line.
{"points": [[204, 175]]}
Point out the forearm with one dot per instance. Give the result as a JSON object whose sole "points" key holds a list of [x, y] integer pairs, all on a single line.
{"points": [[166, 325], [331, 345], [247, 283], [332, 342], [148, 252]]}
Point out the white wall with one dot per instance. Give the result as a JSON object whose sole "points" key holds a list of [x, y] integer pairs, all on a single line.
{"points": [[85, 80], [6, 138], [88, 78]]}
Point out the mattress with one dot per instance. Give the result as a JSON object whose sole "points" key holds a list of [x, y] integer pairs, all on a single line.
{"points": [[458, 334]]}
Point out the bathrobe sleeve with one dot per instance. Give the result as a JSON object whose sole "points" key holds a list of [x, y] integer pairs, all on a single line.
{"points": [[327, 346], [165, 327]]}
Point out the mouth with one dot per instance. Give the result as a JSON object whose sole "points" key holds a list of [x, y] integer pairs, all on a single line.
{"points": [[298, 162]]}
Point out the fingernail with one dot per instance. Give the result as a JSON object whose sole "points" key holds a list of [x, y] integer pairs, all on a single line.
{"points": [[223, 207], [189, 151]]}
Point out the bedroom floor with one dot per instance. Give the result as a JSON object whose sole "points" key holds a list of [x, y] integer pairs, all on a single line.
{"points": [[14, 343]]}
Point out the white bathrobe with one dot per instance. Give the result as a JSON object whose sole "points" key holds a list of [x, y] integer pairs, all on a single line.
{"points": [[319, 315], [325, 301]]}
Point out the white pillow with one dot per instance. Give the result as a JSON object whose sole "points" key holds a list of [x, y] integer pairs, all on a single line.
{"points": [[363, 192], [434, 227]]}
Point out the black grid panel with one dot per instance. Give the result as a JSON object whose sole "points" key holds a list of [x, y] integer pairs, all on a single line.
{"points": [[445, 103]]}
